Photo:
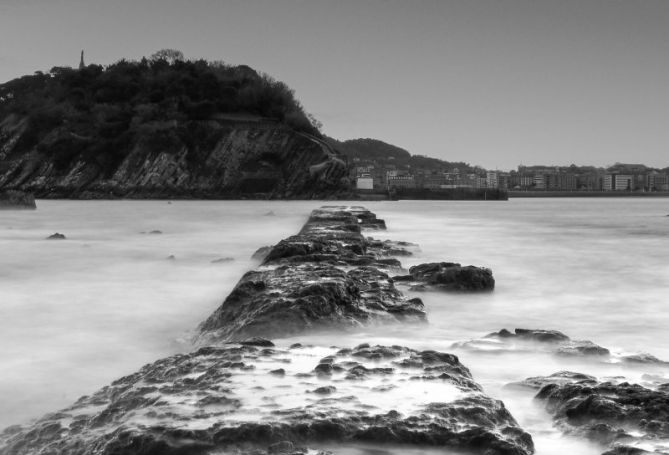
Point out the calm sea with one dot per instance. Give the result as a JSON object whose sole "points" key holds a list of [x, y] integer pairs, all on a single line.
{"points": [[75, 314]]}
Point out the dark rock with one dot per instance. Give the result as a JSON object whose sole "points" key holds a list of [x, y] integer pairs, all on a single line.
{"points": [[256, 341], [561, 377], [191, 410], [155, 231], [551, 341], [16, 200], [261, 253], [312, 285], [171, 257], [626, 450], [449, 276], [608, 412], [643, 358], [327, 390], [278, 372], [583, 348], [542, 336], [221, 260], [56, 236]]}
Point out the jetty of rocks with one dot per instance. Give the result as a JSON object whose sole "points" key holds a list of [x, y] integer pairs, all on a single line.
{"points": [[240, 393]]}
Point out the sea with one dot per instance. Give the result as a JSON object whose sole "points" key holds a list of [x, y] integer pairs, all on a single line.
{"points": [[133, 279]]}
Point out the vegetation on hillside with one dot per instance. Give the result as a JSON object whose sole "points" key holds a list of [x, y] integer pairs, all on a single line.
{"points": [[378, 152], [95, 113]]}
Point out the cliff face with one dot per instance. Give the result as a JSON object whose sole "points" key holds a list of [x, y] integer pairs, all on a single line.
{"points": [[218, 158]]}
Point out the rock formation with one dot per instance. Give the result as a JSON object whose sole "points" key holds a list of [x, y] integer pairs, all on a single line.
{"points": [[254, 398], [625, 418], [247, 396], [250, 159], [327, 276], [554, 342], [449, 276]]}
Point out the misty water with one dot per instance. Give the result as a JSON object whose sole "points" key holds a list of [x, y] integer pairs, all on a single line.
{"points": [[78, 313]]}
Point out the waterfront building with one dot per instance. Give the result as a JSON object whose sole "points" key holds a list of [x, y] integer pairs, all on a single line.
{"points": [[401, 181], [365, 182]]}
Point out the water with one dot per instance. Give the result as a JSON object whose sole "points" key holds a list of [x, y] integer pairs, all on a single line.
{"points": [[78, 313]]}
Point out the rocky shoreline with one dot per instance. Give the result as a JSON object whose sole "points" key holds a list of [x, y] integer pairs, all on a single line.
{"points": [[245, 391]]}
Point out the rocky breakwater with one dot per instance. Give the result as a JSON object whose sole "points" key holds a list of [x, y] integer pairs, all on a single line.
{"points": [[328, 276], [255, 398], [16, 200], [249, 396]]}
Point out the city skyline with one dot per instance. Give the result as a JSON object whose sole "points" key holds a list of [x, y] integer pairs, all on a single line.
{"points": [[492, 83]]}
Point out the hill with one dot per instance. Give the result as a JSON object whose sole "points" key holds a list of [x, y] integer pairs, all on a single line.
{"points": [[382, 154], [162, 127]]}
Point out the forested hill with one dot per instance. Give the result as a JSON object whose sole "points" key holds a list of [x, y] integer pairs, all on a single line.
{"points": [[373, 151], [162, 127]]}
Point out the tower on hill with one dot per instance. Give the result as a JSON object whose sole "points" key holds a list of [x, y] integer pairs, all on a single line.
{"points": [[81, 62]]}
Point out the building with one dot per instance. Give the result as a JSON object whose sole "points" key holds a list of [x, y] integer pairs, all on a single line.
{"points": [[491, 179], [617, 182], [539, 182], [657, 181], [365, 182], [401, 181]]}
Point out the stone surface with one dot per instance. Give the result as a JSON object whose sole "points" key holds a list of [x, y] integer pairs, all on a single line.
{"points": [[561, 377], [449, 276], [56, 236], [328, 276], [550, 341], [625, 417], [230, 399]]}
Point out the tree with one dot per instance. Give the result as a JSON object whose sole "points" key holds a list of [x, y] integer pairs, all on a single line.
{"points": [[169, 55]]}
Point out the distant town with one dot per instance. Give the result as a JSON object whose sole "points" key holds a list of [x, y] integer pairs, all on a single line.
{"points": [[380, 175]]}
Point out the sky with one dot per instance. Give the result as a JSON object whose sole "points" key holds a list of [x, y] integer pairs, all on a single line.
{"points": [[496, 83]]}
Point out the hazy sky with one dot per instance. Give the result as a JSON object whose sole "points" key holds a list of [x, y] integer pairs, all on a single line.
{"points": [[492, 82]]}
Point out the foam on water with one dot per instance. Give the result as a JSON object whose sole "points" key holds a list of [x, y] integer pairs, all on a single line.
{"points": [[78, 313]]}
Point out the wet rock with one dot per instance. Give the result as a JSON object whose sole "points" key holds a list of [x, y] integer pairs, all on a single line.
{"points": [[261, 253], [542, 336], [550, 341], [256, 341], [561, 377], [327, 390], [56, 236], [643, 358], [222, 260], [449, 276], [611, 414], [322, 278], [390, 247], [201, 404], [583, 348], [296, 299]]}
